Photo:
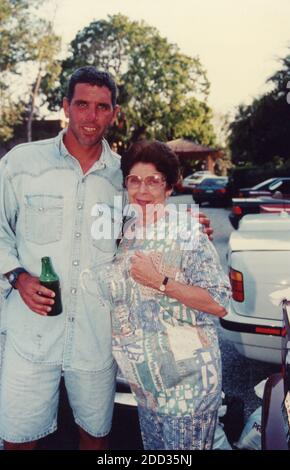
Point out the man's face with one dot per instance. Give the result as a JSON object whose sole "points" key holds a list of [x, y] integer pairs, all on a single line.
{"points": [[90, 113]]}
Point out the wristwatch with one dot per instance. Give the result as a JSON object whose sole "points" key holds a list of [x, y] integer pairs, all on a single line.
{"points": [[13, 276], [162, 286]]}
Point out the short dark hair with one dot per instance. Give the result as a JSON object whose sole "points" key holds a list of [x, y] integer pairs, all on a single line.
{"points": [[155, 152], [91, 75]]}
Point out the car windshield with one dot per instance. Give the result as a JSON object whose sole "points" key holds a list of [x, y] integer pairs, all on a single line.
{"points": [[192, 177], [264, 183], [214, 182]]}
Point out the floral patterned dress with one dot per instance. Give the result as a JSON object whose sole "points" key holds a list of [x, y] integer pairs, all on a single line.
{"points": [[168, 352]]}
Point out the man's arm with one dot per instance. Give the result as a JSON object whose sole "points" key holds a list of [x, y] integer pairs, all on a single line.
{"points": [[8, 217], [27, 285]]}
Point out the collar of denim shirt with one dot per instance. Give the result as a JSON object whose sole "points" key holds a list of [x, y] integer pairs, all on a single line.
{"points": [[106, 159]]}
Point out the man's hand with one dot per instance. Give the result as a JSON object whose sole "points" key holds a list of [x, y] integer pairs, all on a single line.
{"points": [[205, 221], [34, 295], [144, 272]]}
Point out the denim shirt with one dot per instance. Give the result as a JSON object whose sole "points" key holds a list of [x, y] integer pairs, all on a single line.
{"points": [[46, 207]]}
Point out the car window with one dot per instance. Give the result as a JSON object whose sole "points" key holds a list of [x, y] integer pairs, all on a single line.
{"points": [[285, 187], [264, 184], [275, 185]]}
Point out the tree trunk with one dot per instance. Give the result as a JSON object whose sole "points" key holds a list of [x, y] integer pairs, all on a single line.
{"points": [[31, 107]]}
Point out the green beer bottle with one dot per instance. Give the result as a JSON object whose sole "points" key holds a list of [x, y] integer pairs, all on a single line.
{"points": [[50, 279]]}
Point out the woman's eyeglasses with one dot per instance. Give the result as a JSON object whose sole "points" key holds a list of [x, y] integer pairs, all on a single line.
{"points": [[151, 181]]}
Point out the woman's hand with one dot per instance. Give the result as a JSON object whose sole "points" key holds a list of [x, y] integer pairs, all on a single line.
{"points": [[144, 272]]}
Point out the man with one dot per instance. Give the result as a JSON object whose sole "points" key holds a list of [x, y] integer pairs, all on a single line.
{"points": [[47, 192], [48, 189]]}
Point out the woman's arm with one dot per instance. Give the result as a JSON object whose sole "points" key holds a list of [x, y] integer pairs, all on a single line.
{"points": [[201, 282], [144, 272]]}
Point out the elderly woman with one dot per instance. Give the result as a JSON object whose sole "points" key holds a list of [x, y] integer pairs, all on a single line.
{"points": [[165, 289]]}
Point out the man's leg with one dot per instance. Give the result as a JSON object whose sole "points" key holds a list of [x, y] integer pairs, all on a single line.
{"points": [[91, 397], [28, 400], [88, 442], [21, 446]]}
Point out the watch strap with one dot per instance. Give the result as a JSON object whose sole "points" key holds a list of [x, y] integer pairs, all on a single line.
{"points": [[13, 276]]}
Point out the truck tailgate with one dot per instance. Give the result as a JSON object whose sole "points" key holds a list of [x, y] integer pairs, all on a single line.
{"points": [[263, 273]]}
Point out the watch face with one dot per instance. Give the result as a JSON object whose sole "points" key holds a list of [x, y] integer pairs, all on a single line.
{"points": [[13, 276], [162, 288]]}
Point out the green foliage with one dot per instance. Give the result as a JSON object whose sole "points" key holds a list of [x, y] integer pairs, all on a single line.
{"points": [[10, 113], [162, 92], [281, 78], [15, 31], [14, 35], [260, 131], [24, 38], [44, 47]]}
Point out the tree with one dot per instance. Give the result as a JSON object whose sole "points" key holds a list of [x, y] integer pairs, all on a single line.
{"points": [[10, 115], [162, 92], [24, 39], [44, 47], [14, 35], [260, 133], [14, 32], [281, 78]]}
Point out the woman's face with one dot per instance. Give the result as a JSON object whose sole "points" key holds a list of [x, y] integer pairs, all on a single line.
{"points": [[148, 188]]}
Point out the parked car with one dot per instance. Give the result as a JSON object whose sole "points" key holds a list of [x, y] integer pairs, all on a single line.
{"points": [[259, 263], [268, 188], [213, 190], [241, 207], [276, 400], [191, 181]]}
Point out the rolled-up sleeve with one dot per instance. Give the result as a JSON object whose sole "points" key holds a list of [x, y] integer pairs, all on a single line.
{"points": [[8, 217], [201, 267]]}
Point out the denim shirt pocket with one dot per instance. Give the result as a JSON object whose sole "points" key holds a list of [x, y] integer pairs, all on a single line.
{"points": [[43, 218]]}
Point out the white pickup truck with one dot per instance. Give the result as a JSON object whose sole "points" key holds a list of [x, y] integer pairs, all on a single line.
{"points": [[259, 264]]}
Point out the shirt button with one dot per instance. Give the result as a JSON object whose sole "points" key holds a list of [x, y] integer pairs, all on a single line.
{"points": [[76, 263], [80, 206], [73, 291], [77, 234]]}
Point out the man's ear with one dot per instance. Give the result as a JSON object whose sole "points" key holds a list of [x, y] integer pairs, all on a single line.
{"points": [[65, 105], [116, 111]]}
